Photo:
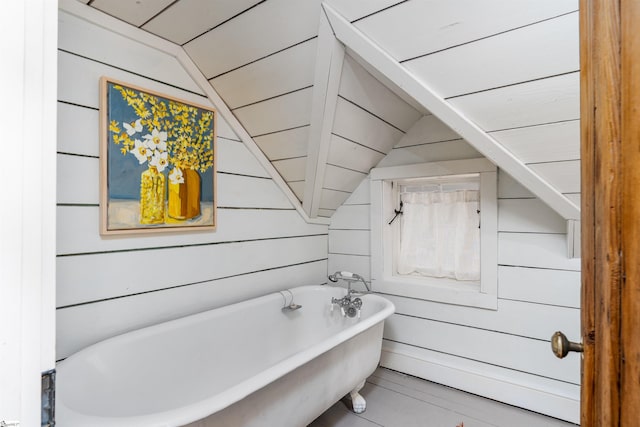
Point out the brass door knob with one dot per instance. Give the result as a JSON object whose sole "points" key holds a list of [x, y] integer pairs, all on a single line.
{"points": [[561, 346]]}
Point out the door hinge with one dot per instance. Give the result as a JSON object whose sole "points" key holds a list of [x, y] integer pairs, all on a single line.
{"points": [[48, 418]]}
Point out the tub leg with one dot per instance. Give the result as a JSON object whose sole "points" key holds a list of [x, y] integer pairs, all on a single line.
{"points": [[358, 403]]}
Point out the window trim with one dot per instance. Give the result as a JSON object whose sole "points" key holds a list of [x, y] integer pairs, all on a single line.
{"points": [[435, 289]]}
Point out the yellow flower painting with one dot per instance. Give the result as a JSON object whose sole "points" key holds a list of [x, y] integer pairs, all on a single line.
{"points": [[158, 161]]}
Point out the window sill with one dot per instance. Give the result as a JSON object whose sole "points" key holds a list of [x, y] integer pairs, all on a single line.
{"points": [[438, 290]]}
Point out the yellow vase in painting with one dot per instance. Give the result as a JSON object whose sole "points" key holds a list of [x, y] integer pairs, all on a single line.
{"points": [[184, 194], [152, 196]]}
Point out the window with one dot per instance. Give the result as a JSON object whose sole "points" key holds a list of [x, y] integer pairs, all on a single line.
{"points": [[443, 247]]}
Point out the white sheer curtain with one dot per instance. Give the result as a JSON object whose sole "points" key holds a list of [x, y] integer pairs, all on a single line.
{"points": [[439, 235]]}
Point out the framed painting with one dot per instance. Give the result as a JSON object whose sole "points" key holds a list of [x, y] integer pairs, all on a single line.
{"points": [[157, 162]]}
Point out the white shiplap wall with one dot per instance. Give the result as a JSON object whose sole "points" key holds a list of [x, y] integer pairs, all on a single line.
{"points": [[106, 286], [503, 354], [513, 70]]}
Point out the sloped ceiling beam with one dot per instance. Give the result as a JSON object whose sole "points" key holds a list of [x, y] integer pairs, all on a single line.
{"points": [[329, 60], [401, 78]]}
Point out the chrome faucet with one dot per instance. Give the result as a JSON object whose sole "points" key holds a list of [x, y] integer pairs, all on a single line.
{"points": [[348, 306], [349, 278]]}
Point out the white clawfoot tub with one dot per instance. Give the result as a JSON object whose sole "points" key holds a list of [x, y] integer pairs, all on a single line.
{"points": [[246, 364]]}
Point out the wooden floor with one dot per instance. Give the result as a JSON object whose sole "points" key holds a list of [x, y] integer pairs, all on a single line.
{"points": [[397, 400]]}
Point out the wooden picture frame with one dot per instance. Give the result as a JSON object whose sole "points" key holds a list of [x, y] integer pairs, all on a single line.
{"points": [[157, 162]]}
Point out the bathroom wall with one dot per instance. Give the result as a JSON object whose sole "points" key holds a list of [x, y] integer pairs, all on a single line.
{"points": [[514, 71], [502, 354], [109, 285]]}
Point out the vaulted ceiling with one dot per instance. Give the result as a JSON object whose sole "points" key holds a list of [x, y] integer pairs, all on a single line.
{"points": [[327, 90]]}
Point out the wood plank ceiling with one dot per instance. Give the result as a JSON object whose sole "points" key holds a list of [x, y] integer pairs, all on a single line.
{"points": [[260, 56]]}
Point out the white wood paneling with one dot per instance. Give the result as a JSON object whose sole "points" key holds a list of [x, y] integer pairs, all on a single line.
{"points": [[225, 130], [427, 129], [543, 395], [360, 195], [354, 9], [78, 180], [350, 242], [535, 250], [135, 13], [119, 275], [541, 286], [78, 131], [351, 217], [432, 152], [509, 188], [535, 320], [195, 17], [395, 86], [121, 52], [325, 213], [565, 176], [332, 199], [83, 325], [435, 25], [77, 230], [232, 192], [237, 159], [574, 197], [361, 88], [264, 30], [357, 125], [450, 114], [515, 352], [280, 73], [329, 60], [285, 144], [353, 263], [549, 100], [337, 178], [528, 216], [291, 169], [79, 84], [298, 189], [528, 53], [284, 112], [544, 143], [350, 155]]}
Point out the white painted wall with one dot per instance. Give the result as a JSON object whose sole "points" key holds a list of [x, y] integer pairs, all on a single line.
{"points": [[513, 71], [503, 354], [107, 286]]}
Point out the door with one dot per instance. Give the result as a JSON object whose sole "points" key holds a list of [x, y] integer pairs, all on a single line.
{"points": [[610, 151], [28, 38]]}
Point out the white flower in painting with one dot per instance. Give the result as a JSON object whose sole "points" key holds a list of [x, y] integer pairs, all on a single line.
{"points": [[160, 160], [134, 127], [156, 140], [175, 176], [141, 151]]}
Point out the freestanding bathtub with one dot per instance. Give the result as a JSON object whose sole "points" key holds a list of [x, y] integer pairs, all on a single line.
{"points": [[246, 364]]}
